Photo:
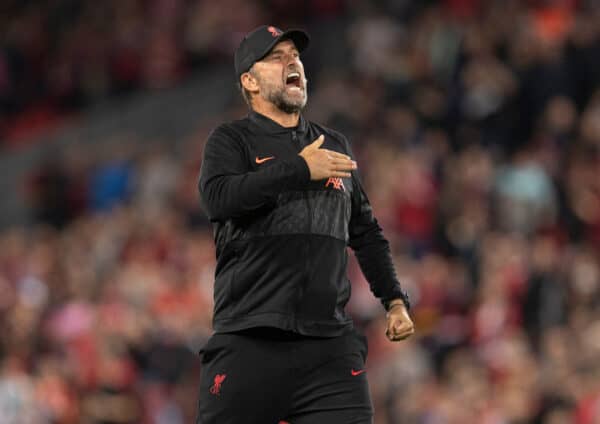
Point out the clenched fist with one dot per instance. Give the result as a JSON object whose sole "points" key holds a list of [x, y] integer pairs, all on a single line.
{"points": [[324, 163], [399, 324]]}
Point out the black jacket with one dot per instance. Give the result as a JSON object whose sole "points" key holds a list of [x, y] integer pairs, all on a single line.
{"points": [[281, 238]]}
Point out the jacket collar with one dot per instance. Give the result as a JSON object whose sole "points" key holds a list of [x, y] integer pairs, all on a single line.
{"points": [[270, 126]]}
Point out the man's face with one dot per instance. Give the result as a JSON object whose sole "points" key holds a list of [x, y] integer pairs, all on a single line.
{"points": [[281, 79]]}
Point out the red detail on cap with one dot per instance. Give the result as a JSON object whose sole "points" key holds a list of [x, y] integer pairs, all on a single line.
{"points": [[283, 422], [216, 388], [274, 31]]}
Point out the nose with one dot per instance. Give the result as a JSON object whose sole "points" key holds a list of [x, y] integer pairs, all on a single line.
{"points": [[290, 60]]}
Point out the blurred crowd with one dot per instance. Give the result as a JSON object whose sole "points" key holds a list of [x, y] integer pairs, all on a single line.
{"points": [[60, 56], [476, 126]]}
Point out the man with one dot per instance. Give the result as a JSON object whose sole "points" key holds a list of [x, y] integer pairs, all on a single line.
{"points": [[285, 202]]}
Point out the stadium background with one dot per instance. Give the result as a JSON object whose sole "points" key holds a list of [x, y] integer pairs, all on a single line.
{"points": [[477, 130]]}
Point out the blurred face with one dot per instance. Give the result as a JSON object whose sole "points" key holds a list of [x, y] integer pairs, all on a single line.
{"points": [[280, 77]]}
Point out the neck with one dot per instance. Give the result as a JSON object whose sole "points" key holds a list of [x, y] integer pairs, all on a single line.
{"points": [[286, 120]]}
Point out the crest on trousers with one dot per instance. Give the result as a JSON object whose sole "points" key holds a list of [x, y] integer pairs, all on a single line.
{"points": [[215, 389]]}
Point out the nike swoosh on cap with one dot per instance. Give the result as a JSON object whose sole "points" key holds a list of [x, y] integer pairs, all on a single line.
{"points": [[355, 373]]}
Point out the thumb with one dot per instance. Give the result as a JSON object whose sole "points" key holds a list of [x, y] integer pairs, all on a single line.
{"points": [[318, 142]]}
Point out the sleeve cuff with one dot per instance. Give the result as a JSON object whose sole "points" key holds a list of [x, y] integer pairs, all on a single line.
{"points": [[400, 295], [302, 172]]}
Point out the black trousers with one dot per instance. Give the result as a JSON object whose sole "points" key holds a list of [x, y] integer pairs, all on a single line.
{"points": [[275, 378]]}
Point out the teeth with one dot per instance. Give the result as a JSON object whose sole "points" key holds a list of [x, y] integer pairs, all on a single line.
{"points": [[293, 75]]}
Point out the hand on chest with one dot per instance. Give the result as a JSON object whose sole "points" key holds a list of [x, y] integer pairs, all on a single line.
{"points": [[269, 151]]}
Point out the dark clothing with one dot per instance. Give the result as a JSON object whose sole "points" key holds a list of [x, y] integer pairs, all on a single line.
{"points": [[256, 378], [281, 238]]}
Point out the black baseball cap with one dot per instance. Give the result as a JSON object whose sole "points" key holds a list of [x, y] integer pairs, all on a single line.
{"points": [[258, 43]]}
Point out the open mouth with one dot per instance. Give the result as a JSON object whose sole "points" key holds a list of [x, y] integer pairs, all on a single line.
{"points": [[293, 80]]}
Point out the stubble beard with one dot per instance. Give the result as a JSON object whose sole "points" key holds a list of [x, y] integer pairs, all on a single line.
{"points": [[283, 101]]}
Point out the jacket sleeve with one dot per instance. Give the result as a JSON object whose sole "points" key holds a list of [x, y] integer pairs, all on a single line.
{"points": [[371, 248], [229, 188]]}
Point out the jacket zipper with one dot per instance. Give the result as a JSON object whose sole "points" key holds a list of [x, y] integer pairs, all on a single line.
{"points": [[306, 249], [296, 141]]}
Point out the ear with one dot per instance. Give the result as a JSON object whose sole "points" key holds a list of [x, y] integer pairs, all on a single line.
{"points": [[249, 82]]}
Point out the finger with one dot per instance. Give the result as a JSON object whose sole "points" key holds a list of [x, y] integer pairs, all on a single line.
{"points": [[318, 142], [402, 337], [398, 337], [349, 164], [342, 166], [402, 334], [403, 329], [340, 174], [338, 155], [400, 326]]}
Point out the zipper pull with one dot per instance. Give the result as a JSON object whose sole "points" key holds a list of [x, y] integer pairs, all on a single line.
{"points": [[295, 139]]}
